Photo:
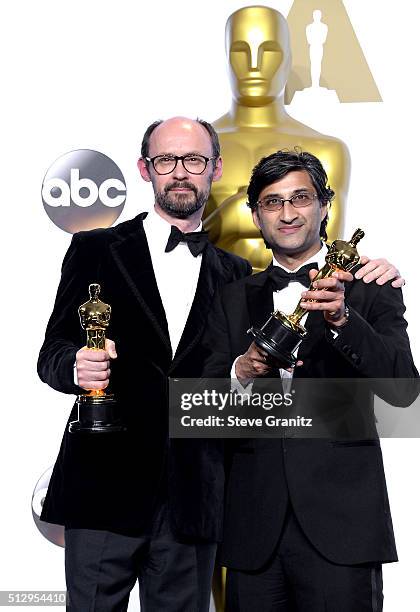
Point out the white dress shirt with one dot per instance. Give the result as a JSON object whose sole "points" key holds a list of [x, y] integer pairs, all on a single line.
{"points": [[286, 301], [176, 274]]}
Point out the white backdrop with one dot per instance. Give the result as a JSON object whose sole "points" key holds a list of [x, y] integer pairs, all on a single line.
{"points": [[94, 75]]}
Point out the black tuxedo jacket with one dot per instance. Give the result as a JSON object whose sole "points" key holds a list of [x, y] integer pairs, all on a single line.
{"points": [[336, 488], [115, 481]]}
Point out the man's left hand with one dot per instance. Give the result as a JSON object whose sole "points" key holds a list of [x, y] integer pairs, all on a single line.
{"points": [[329, 294], [379, 270]]}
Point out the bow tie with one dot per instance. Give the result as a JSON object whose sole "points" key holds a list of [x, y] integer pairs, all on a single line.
{"points": [[196, 241], [280, 278]]}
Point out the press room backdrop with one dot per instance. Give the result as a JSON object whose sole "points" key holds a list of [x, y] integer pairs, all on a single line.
{"points": [[93, 75]]}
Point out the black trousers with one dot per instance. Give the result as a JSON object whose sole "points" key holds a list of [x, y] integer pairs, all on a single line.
{"points": [[299, 579], [102, 568]]}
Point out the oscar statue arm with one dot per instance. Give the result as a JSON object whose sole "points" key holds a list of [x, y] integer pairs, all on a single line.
{"points": [[64, 335], [376, 344]]}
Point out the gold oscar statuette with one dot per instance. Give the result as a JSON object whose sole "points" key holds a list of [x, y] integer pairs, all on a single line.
{"points": [[282, 334], [97, 410]]}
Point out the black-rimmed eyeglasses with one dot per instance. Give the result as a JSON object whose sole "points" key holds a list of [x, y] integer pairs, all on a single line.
{"points": [[275, 202], [165, 164]]}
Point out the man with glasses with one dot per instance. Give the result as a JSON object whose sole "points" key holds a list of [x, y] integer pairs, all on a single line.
{"points": [[307, 521], [135, 504]]}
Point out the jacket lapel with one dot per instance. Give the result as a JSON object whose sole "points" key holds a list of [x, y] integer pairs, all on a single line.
{"points": [[315, 326], [212, 274], [132, 256], [259, 297]]}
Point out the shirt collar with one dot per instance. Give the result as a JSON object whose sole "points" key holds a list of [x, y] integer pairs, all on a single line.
{"points": [[318, 258]]}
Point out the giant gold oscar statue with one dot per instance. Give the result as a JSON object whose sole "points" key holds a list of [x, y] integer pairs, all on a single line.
{"points": [[259, 59]]}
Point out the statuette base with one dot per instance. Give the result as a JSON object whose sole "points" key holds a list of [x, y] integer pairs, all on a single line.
{"points": [[97, 414]]}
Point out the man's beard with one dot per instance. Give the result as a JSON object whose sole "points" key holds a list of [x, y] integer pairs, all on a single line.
{"points": [[182, 205]]}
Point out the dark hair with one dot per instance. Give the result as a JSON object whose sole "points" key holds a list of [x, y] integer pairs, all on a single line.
{"points": [[274, 167], [215, 145], [146, 138]]}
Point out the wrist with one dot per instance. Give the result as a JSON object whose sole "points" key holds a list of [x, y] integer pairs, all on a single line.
{"points": [[342, 321], [242, 372], [238, 369]]}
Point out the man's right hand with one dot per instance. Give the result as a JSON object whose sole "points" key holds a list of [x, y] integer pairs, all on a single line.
{"points": [[92, 366], [252, 364]]}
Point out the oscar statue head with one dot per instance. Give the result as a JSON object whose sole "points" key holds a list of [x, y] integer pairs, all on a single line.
{"points": [[259, 56]]}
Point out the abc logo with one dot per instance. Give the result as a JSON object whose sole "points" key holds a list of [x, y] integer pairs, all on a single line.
{"points": [[82, 190]]}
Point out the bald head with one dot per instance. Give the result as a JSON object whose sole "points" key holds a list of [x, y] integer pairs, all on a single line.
{"points": [[180, 131]]}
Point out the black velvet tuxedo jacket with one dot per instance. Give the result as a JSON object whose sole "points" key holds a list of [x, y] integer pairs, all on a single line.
{"points": [[115, 481], [336, 488]]}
